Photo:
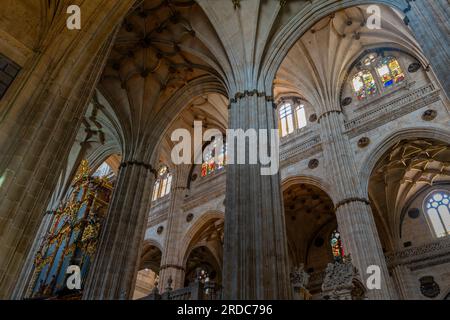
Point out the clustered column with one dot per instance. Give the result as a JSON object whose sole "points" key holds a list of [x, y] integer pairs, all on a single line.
{"points": [[113, 272], [353, 212], [172, 260], [430, 22], [255, 248]]}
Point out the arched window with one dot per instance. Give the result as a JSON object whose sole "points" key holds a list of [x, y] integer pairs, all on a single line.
{"points": [[103, 171], [287, 120], [364, 84], [292, 115], [386, 68], [336, 245], [163, 184], [213, 162], [437, 206], [389, 71], [300, 116]]}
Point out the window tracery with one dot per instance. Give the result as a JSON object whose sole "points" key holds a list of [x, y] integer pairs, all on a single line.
{"points": [[437, 207], [213, 162], [376, 71], [292, 116], [163, 184]]}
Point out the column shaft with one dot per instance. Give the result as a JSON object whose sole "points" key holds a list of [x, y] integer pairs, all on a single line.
{"points": [[113, 273], [30, 168], [172, 258], [354, 215], [430, 22], [255, 248]]}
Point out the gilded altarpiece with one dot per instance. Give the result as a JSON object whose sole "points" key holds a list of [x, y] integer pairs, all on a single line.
{"points": [[72, 237]]}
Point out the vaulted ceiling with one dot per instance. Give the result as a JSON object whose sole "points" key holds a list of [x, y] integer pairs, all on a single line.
{"points": [[402, 172], [308, 210], [317, 64], [159, 49]]}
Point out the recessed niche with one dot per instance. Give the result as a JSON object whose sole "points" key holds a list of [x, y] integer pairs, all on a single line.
{"points": [[429, 115], [314, 163], [346, 101], [414, 67], [363, 142], [414, 213]]}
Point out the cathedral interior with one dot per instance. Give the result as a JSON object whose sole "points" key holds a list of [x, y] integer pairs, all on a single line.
{"points": [[359, 208]]}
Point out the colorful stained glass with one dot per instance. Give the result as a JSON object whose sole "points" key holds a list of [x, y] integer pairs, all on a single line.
{"points": [[336, 245], [390, 71], [364, 84], [212, 162], [163, 184]]}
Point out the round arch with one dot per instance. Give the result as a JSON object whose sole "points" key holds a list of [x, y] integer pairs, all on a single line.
{"points": [[288, 182], [190, 236], [369, 162]]}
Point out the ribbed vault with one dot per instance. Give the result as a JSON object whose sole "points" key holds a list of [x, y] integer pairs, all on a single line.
{"points": [[318, 62]]}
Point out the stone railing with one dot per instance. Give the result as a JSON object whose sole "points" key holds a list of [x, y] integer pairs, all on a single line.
{"points": [[195, 291], [299, 146], [159, 209], [385, 112], [429, 254]]}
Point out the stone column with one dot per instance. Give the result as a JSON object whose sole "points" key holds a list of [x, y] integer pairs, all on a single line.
{"points": [[430, 23], [353, 212], [172, 259], [255, 260], [113, 272], [35, 140], [402, 278]]}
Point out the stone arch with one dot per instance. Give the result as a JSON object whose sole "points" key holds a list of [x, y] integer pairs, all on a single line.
{"points": [[188, 242], [439, 133], [310, 218], [307, 179], [148, 246]]}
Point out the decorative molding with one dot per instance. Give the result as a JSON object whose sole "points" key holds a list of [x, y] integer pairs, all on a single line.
{"points": [[423, 256], [298, 149], [349, 200], [325, 114], [250, 93], [386, 112], [173, 266], [138, 163]]}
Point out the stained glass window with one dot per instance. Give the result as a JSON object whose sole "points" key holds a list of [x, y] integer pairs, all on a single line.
{"points": [[437, 207], [389, 71], [213, 162], [364, 84], [163, 184], [336, 245]]}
